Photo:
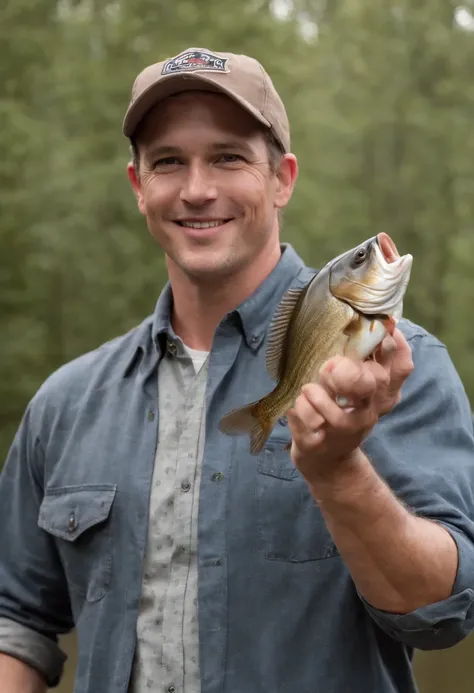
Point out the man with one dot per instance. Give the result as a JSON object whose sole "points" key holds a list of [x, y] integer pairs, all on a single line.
{"points": [[185, 563]]}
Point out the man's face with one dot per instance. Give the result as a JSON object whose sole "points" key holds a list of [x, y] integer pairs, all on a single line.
{"points": [[206, 187]]}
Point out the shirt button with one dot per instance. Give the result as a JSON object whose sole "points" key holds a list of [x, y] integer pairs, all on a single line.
{"points": [[171, 689], [172, 348], [72, 523], [217, 476], [151, 415], [185, 486]]}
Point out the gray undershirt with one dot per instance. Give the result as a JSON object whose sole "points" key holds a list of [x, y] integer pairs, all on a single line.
{"points": [[167, 654]]}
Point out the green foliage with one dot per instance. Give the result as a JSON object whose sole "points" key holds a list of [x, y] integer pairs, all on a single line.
{"points": [[380, 104], [384, 144]]}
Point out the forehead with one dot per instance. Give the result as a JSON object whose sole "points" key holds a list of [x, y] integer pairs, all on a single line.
{"points": [[197, 112]]}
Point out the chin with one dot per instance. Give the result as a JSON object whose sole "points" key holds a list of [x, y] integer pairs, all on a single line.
{"points": [[210, 267]]}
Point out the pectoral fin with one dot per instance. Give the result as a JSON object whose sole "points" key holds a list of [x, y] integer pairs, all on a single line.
{"points": [[247, 420]]}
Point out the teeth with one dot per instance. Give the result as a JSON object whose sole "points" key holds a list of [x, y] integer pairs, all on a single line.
{"points": [[201, 224]]}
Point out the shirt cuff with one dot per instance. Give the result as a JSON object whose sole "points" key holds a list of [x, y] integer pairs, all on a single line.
{"points": [[33, 648], [441, 624]]}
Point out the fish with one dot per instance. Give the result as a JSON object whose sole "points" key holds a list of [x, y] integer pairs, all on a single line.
{"points": [[347, 308]]}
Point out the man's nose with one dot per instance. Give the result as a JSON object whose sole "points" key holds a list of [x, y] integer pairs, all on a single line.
{"points": [[199, 186]]}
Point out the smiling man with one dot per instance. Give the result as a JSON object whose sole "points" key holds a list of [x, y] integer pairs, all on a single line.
{"points": [[186, 564], [209, 177]]}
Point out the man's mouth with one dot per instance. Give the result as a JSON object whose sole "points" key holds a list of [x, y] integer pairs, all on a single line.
{"points": [[208, 224]]}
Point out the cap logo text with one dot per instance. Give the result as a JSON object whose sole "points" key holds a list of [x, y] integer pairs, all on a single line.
{"points": [[194, 61]]}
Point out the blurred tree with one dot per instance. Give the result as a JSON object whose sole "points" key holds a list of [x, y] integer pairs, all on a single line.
{"points": [[26, 27], [385, 145]]}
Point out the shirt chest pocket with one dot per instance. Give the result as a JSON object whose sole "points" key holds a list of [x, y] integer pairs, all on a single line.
{"points": [[79, 519], [291, 526]]}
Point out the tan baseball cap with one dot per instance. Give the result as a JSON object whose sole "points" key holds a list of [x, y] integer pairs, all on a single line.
{"points": [[238, 76]]}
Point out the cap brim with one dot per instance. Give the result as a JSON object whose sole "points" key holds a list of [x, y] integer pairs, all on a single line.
{"points": [[173, 84]]}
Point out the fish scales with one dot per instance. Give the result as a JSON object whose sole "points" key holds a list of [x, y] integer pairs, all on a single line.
{"points": [[312, 336]]}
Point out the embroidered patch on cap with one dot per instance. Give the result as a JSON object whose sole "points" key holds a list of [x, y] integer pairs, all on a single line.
{"points": [[192, 61]]}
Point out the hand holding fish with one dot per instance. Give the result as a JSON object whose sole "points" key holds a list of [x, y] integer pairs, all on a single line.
{"points": [[345, 311], [337, 338], [325, 435]]}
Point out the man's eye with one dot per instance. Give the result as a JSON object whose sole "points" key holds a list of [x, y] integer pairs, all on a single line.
{"points": [[230, 158], [167, 161]]}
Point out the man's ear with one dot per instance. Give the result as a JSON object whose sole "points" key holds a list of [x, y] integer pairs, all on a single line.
{"points": [[287, 175], [135, 182]]}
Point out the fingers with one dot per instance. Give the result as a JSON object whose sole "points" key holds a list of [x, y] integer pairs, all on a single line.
{"points": [[306, 424], [402, 364], [331, 418], [385, 353], [320, 401], [351, 395], [361, 416], [304, 417], [342, 377], [320, 427], [394, 355], [344, 397]]}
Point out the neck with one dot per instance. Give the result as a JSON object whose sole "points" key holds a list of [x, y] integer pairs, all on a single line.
{"points": [[199, 306]]}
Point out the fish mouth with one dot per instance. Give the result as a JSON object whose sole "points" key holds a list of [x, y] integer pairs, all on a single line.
{"points": [[387, 248], [388, 256], [391, 274], [380, 290]]}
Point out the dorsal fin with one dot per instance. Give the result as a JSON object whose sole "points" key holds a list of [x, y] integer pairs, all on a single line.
{"points": [[278, 331]]}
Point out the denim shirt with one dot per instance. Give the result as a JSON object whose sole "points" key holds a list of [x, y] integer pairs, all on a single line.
{"points": [[278, 610]]}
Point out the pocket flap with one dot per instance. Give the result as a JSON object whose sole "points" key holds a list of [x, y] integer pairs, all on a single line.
{"points": [[275, 461], [68, 511]]}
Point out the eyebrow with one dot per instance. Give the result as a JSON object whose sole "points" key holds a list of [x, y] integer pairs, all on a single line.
{"points": [[232, 145], [164, 150]]}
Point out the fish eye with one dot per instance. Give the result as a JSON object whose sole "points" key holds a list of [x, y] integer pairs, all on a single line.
{"points": [[359, 257]]}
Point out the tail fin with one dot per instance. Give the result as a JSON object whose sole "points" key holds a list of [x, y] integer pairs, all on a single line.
{"points": [[247, 420]]}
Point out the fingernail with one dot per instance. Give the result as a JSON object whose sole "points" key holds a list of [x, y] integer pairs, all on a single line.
{"points": [[342, 401]]}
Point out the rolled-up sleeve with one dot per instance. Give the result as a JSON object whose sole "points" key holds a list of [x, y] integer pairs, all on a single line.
{"points": [[34, 602], [424, 449], [33, 648]]}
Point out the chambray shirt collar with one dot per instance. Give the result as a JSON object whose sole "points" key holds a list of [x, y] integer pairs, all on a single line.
{"points": [[253, 314], [161, 325], [256, 311], [149, 343]]}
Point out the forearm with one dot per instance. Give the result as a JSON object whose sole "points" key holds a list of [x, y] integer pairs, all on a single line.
{"points": [[18, 677], [399, 562]]}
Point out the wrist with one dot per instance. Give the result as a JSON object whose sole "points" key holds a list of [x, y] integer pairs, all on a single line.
{"points": [[353, 475]]}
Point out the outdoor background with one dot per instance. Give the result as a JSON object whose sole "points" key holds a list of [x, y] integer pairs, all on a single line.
{"points": [[380, 95]]}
